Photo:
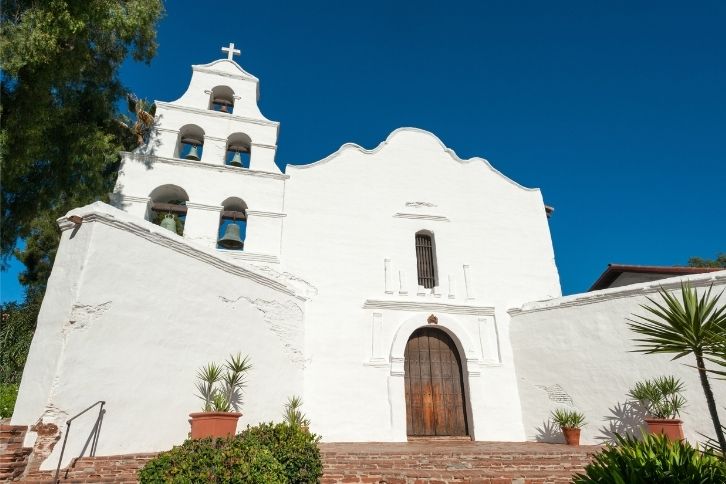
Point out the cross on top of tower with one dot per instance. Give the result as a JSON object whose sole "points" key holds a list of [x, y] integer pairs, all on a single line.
{"points": [[231, 51]]}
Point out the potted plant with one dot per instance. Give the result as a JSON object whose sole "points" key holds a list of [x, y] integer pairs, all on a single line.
{"points": [[220, 388], [570, 422], [662, 400]]}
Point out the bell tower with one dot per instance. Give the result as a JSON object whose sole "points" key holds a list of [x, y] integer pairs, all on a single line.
{"points": [[217, 119], [209, 163]]}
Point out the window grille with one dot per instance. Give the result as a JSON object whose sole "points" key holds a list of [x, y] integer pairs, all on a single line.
{"points": [[425, 261]]}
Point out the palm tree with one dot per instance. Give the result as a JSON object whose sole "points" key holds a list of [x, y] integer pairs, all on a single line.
{"points": [[691, 326], [144, 112]]}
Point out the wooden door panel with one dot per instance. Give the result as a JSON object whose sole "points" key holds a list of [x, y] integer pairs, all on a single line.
{"points": [[434, 385]]}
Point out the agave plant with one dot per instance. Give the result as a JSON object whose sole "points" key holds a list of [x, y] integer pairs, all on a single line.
{"points": [[661, 397], [220, 386], [568, 419], [691, 325]]}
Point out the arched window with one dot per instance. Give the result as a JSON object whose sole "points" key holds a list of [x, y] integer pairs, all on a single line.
{"points": [[238, 150], [191, 141], [232, 224], [222, 99], [426, 259], [168, 208]]}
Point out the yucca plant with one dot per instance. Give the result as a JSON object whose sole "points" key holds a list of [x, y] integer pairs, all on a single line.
{"points": [[661, 397], [293, 414], [654, 459], [220, 386], [691, 325], [568, 419]]}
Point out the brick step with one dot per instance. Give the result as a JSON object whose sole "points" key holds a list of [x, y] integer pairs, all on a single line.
{"points": [[418, 462], [439, 462]]}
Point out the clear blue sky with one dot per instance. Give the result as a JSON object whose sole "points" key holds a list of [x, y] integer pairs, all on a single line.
{"points": [[616, 110]]}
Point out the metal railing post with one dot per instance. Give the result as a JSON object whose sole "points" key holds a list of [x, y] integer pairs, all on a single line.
{"points": [[68, 429]]}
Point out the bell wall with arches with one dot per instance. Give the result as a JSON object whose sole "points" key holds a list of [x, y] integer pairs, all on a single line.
{"points": [[343, 261]]}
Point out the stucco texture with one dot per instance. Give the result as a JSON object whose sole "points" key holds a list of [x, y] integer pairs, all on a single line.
{"points": [[577, 352]]}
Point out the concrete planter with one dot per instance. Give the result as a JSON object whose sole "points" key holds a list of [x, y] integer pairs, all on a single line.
{"points": [[213, 424], [670, 427], [572, 436]]}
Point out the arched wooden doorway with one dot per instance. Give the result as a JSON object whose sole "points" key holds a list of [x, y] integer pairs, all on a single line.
{"points": [[435, 402]]}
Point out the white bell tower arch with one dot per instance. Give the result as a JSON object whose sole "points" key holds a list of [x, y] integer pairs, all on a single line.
{"points": [[214, 143]]}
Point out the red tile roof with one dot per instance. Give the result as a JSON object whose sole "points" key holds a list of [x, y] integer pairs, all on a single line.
{"points": [[614, 270]]}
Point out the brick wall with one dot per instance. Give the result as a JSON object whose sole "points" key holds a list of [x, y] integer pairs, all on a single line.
{"points": [[13, 456]]}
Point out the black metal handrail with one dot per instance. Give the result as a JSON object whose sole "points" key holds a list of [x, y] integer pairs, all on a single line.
{"points": [[96, 429]]}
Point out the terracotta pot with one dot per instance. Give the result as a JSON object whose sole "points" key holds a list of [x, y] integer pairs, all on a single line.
{"points": [[213, 424], [572, 436], [670, 427]]}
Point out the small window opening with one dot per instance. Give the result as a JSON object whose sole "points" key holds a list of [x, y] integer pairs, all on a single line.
{"points": [[232, 225], [425, 260]]}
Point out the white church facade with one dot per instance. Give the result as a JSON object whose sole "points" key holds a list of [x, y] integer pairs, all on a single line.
{"points": [[400, 291]]}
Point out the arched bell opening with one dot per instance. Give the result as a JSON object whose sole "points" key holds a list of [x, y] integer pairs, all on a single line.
{"points": [[191, 142], [239, 149], [221, 99], [167, 208], [232, 224], [436, 403]]}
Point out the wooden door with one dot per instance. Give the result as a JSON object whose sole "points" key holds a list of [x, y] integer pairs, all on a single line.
{"points": [[435, 403]]}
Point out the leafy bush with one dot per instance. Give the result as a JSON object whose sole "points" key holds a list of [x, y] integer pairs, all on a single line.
{"points": [[215, 461], [568, 419], [268, 453], [8, 394], [655, 459], [661, 397], [17, 325], [293, 446]]}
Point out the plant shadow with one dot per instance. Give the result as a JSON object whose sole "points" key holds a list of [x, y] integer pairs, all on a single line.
{"points": [[550, 433], [625, 419]]}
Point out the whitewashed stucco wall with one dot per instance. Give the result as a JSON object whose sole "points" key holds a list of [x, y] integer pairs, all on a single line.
{"points": [[349, 231], [132, 312], [577, 351]]}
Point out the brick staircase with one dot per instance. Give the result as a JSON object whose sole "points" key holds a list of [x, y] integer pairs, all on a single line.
{"points": [[120, 469], [420, 462], [442, 462]]}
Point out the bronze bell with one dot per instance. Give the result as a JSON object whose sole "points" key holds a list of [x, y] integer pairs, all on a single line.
{"points": [[231, 238], [193, 149], [168, 222], [236, 159], [223, 104], [193, 153]]}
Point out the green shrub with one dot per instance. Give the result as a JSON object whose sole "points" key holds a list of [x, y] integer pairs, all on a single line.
{"points": [[654, 460], [8, 394], [233, 460], [293, 446]]}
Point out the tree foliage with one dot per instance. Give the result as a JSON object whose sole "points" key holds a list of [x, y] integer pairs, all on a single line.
{"points": [[16, 333], [719, 261], [681, 327], [60, 91]]}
